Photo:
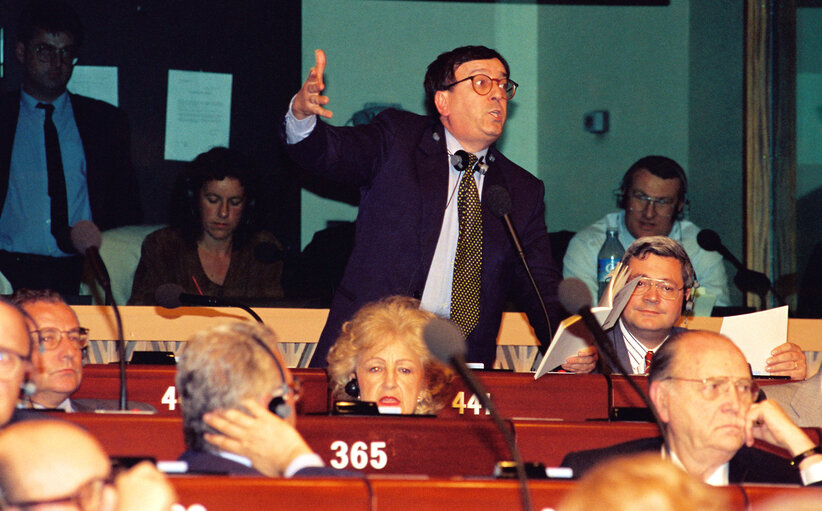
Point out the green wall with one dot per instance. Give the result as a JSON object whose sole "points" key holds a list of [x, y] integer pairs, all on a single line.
{"points": [[663, 81]]}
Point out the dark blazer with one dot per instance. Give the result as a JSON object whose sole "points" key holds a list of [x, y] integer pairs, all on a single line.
{"points": [[618, 343], [749, 465], [400, 163], [202, 462], [104, 129]]}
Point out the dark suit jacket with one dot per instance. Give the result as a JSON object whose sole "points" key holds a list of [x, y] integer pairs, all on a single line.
{"points": [[400, 163], [749, 465], [202, 462], [618, 343], [112, 182]]}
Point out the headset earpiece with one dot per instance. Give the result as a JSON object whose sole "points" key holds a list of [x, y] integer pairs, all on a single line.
{"points": [[352, 388], [278, 405]]}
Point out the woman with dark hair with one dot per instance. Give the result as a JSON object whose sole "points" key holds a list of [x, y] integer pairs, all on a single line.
{"points": [[214, 245]]}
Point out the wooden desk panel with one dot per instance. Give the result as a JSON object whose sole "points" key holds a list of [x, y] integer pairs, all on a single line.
{"points": [[549, 442], [393, 494], [261, 493], [574, 397], [154, 384], [406, 445]]}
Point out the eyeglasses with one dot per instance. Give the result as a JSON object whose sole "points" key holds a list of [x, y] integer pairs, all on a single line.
{"points": [[88, 498], [10, 362], [483, 84], [665, 288], [711, 388], [638, 201], [295, 388], [47, 52], [50, 337]]}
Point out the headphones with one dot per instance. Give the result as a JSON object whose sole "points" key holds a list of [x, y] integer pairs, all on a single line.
{"points": [[660, 163], [352, 388], [460, 162], [278, 405]]}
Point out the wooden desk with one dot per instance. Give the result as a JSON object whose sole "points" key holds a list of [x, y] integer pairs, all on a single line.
{"points": [[396, 445], [394, 494], [558, 396], [574, 397], [154, 384], [218, 493], [549, 442]]}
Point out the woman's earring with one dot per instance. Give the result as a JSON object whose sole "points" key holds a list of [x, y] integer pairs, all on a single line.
{"points": [[352, 388]]}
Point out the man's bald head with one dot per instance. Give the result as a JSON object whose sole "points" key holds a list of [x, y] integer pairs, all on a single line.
{"points": [[15, 347], [681, 353], [44, 460]]}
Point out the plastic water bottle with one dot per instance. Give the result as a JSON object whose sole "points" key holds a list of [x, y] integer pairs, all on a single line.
{"points": [[609, 255]]}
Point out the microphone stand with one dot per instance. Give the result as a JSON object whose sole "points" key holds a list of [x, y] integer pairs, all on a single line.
{"points": [[121, 344], [605, 347]]}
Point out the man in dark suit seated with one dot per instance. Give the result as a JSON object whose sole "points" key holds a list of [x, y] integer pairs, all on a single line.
{"points": [[234, 367], [57, 363], [49, 464], [651, 314], [701, 386]]}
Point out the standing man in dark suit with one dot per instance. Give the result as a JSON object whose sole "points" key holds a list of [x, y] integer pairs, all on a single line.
{"points": [[63, 157], [701, 386], [421, 230]]}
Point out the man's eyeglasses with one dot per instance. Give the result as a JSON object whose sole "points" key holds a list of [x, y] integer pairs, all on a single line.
{"points": [[638, 201], [10, 362], [49, 338], [47, 52], [88, 498], [483, 84], [711, 388], [666, 289]]}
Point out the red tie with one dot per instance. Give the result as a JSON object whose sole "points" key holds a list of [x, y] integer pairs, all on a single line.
{"points": [[649, 356]]}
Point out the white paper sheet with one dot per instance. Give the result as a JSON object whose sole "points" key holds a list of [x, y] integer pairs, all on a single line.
{"points": [[757, 333], [98, 82], [198, 113]]}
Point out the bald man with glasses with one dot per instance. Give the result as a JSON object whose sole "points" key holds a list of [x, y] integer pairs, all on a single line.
{"points": [[49, 464], [702, 388]]}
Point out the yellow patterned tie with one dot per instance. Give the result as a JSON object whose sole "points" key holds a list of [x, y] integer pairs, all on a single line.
{"points": [[465, 292]]}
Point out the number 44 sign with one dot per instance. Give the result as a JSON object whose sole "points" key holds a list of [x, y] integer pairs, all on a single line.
{"points": [[473, 403]]}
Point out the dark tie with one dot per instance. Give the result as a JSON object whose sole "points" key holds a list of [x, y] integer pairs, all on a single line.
{"points": [[465, 292], [56, 182], [649, 357]]}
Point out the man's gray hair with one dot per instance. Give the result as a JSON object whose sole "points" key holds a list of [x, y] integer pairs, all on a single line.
{"points": [[662, 246], [217, 369]]}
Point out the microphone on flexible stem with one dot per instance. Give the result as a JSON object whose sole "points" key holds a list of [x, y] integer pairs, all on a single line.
{"points": [[575, 297], [171, 296], [499, 202], [86, 238], [447, 343], [748, 281]]}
